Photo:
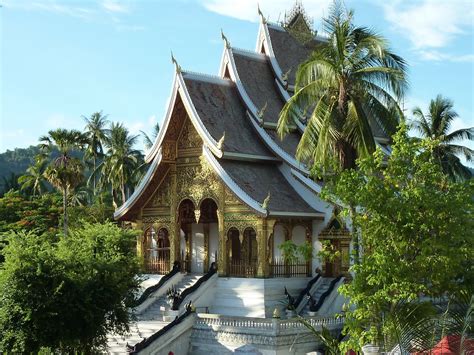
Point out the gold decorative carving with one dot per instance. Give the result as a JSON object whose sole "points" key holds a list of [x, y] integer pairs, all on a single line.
{"points": [[197, 182], [162, 195], [189, 137], [230, 198], [240, 221], [168, 150]]}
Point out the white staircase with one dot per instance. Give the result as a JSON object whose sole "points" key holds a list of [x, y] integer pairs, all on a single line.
{"points": [[148, 322], [323, 287]]}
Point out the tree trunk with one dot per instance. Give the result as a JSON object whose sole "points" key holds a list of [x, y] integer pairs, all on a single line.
{"points": [[65, 216], [93, 172], [347, 154], [123, 189], [114, 198]]}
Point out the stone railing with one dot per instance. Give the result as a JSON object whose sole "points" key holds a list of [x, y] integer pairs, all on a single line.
{"points": [[267, 326]]}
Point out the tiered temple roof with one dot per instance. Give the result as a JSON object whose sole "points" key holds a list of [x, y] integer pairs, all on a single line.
{"points": [[235, 114]]}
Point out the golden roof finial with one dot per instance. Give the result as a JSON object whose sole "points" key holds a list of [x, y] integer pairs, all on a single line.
{"points": [[226, 41], [284, 76], [176, 65], [264, 20], [261, 112], [266, 201], [220, 144]]}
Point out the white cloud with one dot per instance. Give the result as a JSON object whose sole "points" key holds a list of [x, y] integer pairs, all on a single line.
{"points": [[430, 23], [438, 56], [115, 6], [52, 6], [273, 10]]}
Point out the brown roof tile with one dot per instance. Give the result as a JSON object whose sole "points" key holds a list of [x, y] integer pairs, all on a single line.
{"points": [[258, 179], [220, 109]]}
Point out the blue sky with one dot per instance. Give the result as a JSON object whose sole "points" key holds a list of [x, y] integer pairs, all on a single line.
{"points": [[62, 59]]}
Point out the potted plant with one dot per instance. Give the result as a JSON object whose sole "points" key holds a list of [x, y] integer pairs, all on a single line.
{"points": [[312, 305], [290, 305]]}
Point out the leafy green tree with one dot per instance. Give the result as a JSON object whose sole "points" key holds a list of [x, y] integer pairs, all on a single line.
{"points": [[10, 182], [65, 172], [147, 140], [34, 180], [121, 162], [435, 125], [66, 294], [96, 133], [346, 86], [40, 213], [415, 230]]}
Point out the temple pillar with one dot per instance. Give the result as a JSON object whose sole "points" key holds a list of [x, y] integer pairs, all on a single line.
{"points": [[264, 230], [174, 226], [222, 251], [206, 246], [139, 226]]}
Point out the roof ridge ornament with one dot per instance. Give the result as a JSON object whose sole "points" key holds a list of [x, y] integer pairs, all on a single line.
{"points": [[226, 41], [264, 20], [261, 113], [176, 65], [266, 201], [220, 144], [284, 77]]}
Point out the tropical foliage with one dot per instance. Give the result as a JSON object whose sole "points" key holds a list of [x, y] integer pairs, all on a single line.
{"points": [[435, 125], [121, 167], [96, 133], [348, 87], [416, 230], [66, 294], [40, 213], [65, 172], [148, 140]]}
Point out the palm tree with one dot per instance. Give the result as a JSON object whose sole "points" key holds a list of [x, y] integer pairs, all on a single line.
{"points": [[121, 161], [147, 140], [96, 133], [34, 179], [347, 85], [64, 172], [435, 125]]}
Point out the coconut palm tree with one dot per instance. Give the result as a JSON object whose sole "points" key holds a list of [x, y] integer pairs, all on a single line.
{"points": [[65, 172], [348, 84], [435, 124], [121, 161], [147, 140], [34, 179], [96, 133]]}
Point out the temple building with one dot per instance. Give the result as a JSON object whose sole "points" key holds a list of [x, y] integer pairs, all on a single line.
{"points": [[222, 187]]}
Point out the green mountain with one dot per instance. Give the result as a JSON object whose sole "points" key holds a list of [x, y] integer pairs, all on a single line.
{"points": [[14, 163]]}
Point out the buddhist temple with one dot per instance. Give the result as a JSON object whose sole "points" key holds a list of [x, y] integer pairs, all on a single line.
{"points": [[223, 189]]}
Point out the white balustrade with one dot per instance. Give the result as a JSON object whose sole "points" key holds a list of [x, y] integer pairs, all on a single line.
{"points": [[261, 325]]}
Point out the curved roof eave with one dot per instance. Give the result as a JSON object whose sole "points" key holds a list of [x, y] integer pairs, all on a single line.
{"points": [[159, 139], [264, 38], [145, 181], [231, 184], [195, 119], [252, 109], [179, 86]]}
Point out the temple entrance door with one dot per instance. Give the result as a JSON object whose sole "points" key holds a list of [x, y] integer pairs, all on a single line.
{"points": [[156, 251], [339, 265], [242, 253], [186, 220], [332, 266]]}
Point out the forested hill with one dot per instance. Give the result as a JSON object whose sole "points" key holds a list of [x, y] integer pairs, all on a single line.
{"points": [[16, 162]]}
